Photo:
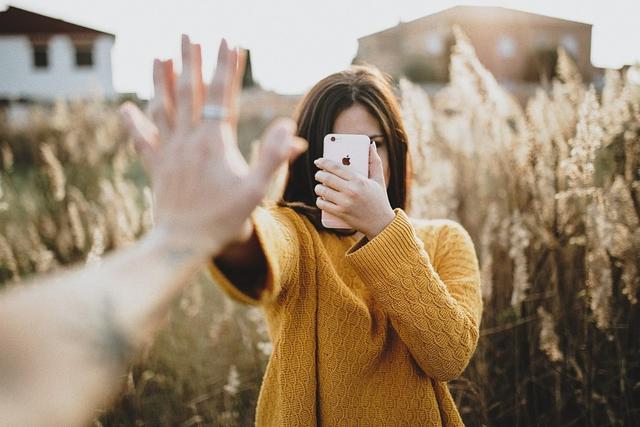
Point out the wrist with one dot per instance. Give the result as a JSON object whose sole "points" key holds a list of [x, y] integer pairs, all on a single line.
{"points": [[182, 246], [386, 220]]}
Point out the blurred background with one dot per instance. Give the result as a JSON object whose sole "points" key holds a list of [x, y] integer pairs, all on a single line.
{"points": [[524, 123]]}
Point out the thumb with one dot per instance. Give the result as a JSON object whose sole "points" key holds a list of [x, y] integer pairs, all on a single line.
{"points": [[376, 172], [143, 132], [297, 147], [277, 146]]}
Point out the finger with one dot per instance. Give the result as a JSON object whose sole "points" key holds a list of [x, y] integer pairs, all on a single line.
{"points": [[332, 181], [376, 171], [298, 146], [142, 130], [236, 87], [198, 91], [170, 88], [278, 145], [157, 108], [329, 207], [186, 89], [221, 81], [335, 168], [329, 194], [232, 79]]}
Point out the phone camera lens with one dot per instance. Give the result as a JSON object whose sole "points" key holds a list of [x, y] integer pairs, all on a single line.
{"points": [[333, 138]]}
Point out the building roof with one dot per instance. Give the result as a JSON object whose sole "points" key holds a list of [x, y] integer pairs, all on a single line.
{"points": [[19, 21], [484, 13]]}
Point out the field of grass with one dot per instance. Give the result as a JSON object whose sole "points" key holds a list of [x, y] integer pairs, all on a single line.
{"points": [[549, 192]]}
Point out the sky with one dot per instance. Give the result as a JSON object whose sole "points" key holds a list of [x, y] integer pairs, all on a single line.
{"points": [[294, 43]]}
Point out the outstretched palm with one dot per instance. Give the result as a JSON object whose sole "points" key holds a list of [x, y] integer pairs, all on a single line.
{"points": [[204, 190]]}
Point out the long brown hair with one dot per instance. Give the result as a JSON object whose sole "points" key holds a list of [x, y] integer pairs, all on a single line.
{"points": [[316, 115]]}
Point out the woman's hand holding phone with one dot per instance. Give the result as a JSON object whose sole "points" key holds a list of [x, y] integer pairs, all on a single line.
{"points": [[359, 201]]}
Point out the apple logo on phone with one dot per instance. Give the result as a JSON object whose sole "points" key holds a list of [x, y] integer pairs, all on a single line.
{"points": [[346, 160]]}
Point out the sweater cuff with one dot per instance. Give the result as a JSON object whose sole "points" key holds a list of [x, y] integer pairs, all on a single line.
{"points": [[260, 220], [227, 287], [376, 260]]}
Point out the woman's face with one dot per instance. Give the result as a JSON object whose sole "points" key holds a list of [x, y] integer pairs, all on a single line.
{"points": [[357, 120]]}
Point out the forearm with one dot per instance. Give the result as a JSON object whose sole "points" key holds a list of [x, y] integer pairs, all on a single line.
{"points": [[434, 315], [66, 339], [439, 332], [146, 280], [441, 335]]}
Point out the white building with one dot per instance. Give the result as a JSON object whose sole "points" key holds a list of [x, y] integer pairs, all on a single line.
{"points": [[43, 59]]}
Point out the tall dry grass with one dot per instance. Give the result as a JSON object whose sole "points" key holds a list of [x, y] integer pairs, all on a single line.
{"points": [[71, 190], [550, 194]]}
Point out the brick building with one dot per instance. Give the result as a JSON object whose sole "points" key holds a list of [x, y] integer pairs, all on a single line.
{"points": [[515, 46]]}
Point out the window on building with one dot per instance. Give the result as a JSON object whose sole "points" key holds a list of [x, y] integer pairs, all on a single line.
{"points": [[434, 44], [84, 55], [542, 40], [40, 55], [570, 44], [506, 47]]}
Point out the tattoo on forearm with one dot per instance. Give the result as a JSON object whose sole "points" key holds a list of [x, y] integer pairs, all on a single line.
{"points": [[104, 339], [117, 345], [178, 255]]}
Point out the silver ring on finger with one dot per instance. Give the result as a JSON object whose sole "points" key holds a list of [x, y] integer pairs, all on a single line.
{"points": [[214, 112]]}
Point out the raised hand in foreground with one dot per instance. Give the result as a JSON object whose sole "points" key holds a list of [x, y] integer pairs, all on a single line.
{"points": [[192, 152]]}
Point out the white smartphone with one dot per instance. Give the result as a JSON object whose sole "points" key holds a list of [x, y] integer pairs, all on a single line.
{"points": [[351, 151]]}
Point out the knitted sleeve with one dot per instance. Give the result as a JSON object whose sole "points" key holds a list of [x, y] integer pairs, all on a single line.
{"points": [[436, 312], [276, 231]]}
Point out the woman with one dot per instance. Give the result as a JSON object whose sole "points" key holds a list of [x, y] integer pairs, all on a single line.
{"points": [[367, 326]]}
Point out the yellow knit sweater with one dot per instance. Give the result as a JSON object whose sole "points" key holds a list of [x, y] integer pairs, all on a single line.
{"points": [[364, 332]]}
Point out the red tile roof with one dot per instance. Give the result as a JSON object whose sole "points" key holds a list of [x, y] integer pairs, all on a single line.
{"points": [[19, 21]]}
